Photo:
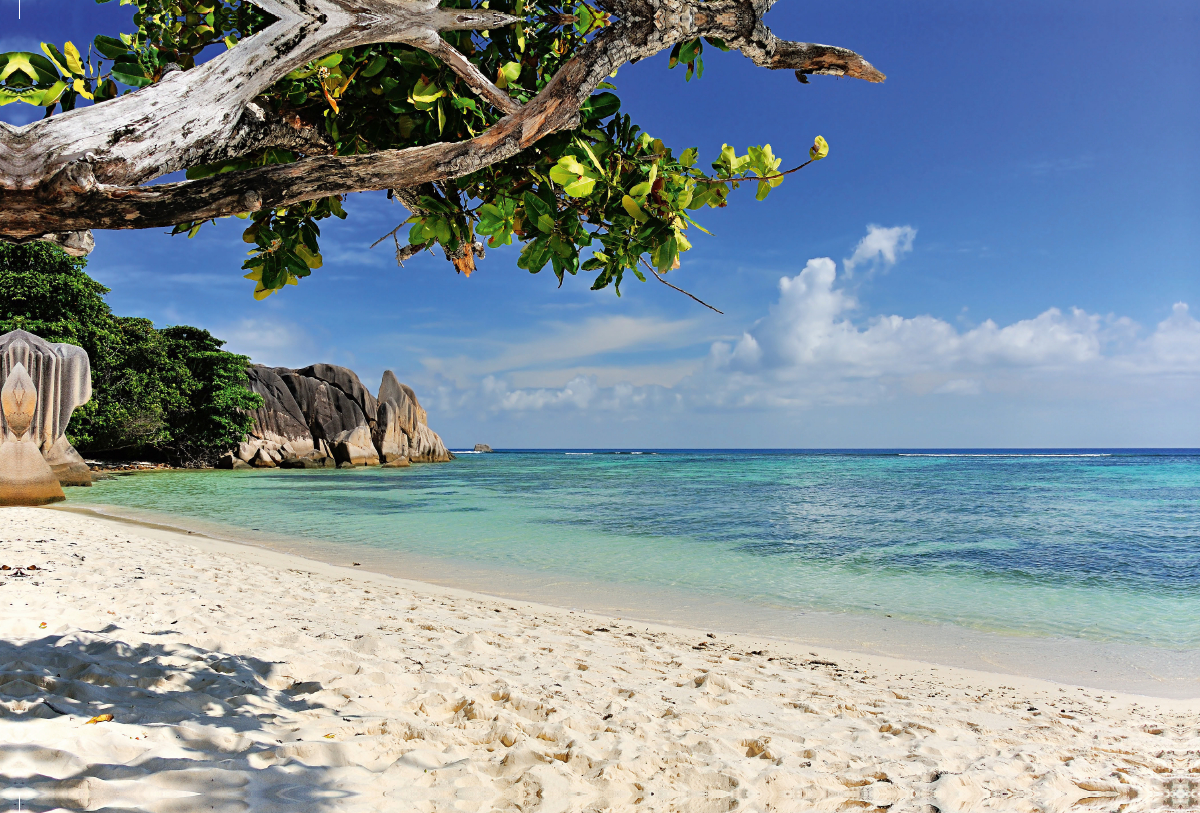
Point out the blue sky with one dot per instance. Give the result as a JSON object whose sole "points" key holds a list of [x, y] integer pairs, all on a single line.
{"points": [[1000, 250]]}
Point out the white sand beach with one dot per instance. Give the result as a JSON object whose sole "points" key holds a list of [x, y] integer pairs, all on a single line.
{"points": [[242, 679]]}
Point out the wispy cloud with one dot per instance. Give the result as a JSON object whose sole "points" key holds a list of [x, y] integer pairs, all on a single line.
{"points": [[275, 343], [881, 248], [561, 345]]}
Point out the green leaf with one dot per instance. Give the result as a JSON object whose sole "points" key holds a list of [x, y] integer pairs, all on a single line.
{"points": [[563, 248], [689, 157], [689, 50], [377, 64], [110, 46], [535, 255], [491, 219], [665, 254], [539, 212], [600, 106], [419, 233], [591, 155], [133, 80]]}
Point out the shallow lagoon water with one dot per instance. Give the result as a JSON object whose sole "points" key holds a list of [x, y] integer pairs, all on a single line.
{"points": [[1096, 545]]}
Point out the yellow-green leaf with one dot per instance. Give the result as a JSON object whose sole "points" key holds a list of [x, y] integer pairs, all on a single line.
{"points": [[49, 52], [634, 210], [819, 149], [424, 94], [74, 60], [576, 179], [311, 259], [508, 72]]}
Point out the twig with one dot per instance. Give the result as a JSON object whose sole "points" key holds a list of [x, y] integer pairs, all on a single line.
{"points": [[392, 233], [52, 707], [763, 177], [677, 288]]}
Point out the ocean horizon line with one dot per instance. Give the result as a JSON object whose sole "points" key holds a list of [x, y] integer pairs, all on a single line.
{"points": [[998, 451]]}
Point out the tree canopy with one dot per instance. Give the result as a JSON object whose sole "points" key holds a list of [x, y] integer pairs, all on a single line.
{"points": [[490, 120], [170, 393]]}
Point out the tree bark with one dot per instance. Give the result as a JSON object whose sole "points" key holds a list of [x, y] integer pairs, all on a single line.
{"points": [[83, 169]]}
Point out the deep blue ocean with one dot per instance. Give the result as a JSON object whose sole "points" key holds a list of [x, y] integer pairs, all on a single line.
{"points": [[1093, 544]]}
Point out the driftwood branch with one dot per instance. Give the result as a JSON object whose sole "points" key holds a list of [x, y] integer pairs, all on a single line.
{"points": [[84, 169]]}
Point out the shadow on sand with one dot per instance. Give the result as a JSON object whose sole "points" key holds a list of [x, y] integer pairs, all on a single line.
{"points": [[191, 730]]}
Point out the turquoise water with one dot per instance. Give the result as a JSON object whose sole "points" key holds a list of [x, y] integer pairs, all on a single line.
{"points": [[1094, 545]]}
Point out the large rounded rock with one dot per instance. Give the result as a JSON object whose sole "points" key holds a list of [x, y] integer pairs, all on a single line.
{"points": [[25, 476], [61, 376], [354, 446], [279, 421]]}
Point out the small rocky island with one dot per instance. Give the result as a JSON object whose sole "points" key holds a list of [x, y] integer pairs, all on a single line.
{"points": [[322, 416]]}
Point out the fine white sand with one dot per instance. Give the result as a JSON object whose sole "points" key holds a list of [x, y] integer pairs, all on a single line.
{"points": [[241, 679]]}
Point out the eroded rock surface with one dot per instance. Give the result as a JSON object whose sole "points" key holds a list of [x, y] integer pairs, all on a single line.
{"points": [[323, 415]]}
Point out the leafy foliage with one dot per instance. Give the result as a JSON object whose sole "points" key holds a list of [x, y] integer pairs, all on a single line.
{"points": [[171, 393], [169, 35], [605, 198]]}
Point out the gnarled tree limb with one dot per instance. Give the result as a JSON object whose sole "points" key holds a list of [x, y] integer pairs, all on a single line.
{"points": [[81, 170]]}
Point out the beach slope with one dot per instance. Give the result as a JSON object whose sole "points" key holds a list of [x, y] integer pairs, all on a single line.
{"points": [[150, 670]]}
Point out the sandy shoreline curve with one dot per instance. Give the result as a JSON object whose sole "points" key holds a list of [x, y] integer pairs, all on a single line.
{"points": [[1113, 666], [240, 677]]}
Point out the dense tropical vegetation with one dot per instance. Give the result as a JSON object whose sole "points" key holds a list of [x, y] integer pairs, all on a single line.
{"points": [[169, 394]]}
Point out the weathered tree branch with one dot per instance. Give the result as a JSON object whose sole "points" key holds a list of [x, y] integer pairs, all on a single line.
{"points": [[474, 78], [175, 123], [80, 170]]}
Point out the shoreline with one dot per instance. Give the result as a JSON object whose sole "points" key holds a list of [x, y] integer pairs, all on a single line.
{"points": [[1110, 666], [142, 666]]}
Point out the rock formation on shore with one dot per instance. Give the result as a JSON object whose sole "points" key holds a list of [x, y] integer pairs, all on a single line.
{"points": [[61, 376], [25, 476], [323, 416]]}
